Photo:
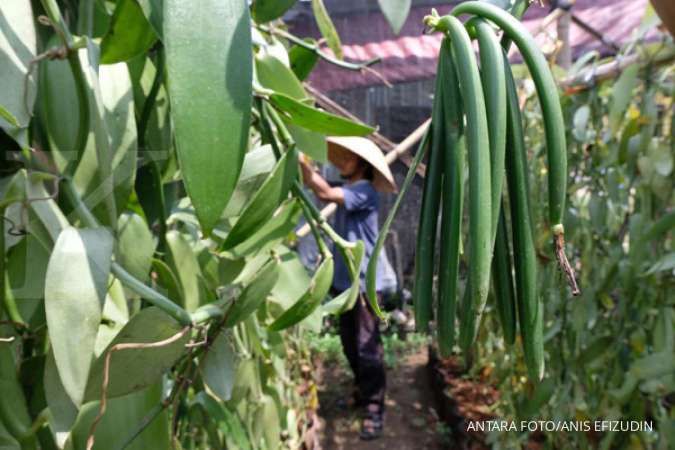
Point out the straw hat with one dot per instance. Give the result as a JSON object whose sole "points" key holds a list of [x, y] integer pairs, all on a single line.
{"points": [[371, 153]]}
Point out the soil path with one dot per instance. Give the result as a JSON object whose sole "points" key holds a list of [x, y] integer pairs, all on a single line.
{"points": [[410, 420]]}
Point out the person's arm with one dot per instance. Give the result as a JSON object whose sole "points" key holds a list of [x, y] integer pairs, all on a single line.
{"points": [[324, 191]]}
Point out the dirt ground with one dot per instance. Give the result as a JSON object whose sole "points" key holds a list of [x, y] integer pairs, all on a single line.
{"points": [[410, 419]]}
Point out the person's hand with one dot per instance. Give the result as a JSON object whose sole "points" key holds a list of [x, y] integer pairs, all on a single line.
{"points": [[307, 169]]}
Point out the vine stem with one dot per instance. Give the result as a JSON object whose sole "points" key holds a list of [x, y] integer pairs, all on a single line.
{"points": [[315, 48], [131, 282]]}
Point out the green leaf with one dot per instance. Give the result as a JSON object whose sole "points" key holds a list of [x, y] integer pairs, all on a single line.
{"points": [[123, 416], [75, 288], [135, 245], [254, 294], [12, 188], [293, 278], [229, 422], [94, 177], [154, 12], [302, 59], [310, 143], [310, 301], [135, 369], [219, 367], [26, 270], [63, 412], [268, 198], [14, 413], [266, 10], [118, 101], [187, 268], [273, 231], [275, 75], [47, 212], [258, 163], [395, 11], [57, 99], [622, 94], [347, 299], [130, 34], [166, 279], [327, 28], [17, 50], [665, 263], [267, 423], [313, 119], [211, 129]]}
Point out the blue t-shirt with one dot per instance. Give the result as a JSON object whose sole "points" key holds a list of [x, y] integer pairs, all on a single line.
{"points": [[357, 219]]}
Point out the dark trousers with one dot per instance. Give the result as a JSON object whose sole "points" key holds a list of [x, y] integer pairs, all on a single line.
{"points": [[362, 345]]}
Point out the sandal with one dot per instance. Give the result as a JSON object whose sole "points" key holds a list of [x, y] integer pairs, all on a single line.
{"points": [[372, 426]]}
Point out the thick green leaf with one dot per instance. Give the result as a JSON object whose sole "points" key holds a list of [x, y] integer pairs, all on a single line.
{"points": [[118, 100], [58, 99], [94, 177], [12, 188], [130, 34], [311, 143], [665, 263], [258, 163], [154, 12], [167, 280], [135, 369], [273, 231], [187, 268], [327, 28], [314, 119], [254, 294], [275, 75], [17, 50], [310, 301], [13, 407], [26, 269], [123, 416], [303, 59], [115, 309], [135, 245], [7, 441], [268, 198], [293, 279], [267, 424], [48, 213], [622, 94], [266, 10], [228, 421], [211, 128], [219, 367], [395, 11], [63, 411], [347, 299], [75, 288]]}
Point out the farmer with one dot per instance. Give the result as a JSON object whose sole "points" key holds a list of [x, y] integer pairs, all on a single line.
{"points": [[364, 170]]}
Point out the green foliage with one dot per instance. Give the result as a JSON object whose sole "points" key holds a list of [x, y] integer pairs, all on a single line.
{"points": [[149, 294], [608, 350]]}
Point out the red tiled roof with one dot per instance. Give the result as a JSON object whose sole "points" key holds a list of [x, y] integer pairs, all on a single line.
{"points": [[412, 55]]}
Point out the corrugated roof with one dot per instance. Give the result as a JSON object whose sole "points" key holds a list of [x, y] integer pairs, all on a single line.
{"points": [[412, 55]]}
